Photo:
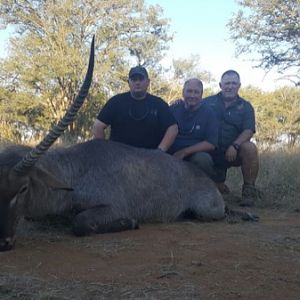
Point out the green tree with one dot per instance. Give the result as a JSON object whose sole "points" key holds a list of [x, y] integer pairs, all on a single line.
{"points": [[266, 111], [49, 51], [170, 87], [289, 99], [276, 115], [271, 29], [185, 68], [7, 132]]}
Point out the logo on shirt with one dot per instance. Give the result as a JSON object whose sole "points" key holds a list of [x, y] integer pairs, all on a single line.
{"points": [[153, 112]]}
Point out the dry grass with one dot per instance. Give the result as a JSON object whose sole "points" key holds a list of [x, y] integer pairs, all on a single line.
{"points": [[278, 180]]}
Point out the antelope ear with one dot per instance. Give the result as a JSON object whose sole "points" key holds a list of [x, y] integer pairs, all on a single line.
{"points": [[40, 174]]}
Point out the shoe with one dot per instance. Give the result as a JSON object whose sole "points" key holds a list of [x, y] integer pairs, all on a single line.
{"points": [[223, 188], [249, 195]]}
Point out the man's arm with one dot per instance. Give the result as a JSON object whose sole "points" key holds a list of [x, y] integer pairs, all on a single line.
{"points": [[231, 152], [245, 136], [203, 146], [168, 138], [98, 129]]}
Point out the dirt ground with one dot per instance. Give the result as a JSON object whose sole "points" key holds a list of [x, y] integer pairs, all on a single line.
{"points": [[186, 260]]}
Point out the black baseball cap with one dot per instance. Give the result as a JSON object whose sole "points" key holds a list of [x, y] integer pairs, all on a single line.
{"points": [[139, 70]]}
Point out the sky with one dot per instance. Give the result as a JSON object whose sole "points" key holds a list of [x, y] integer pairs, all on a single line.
{"points": [[199, 27]]}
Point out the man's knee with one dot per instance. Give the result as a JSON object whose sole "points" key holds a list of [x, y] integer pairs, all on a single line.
{"points": [[248, 149], [201, 158], [204, 161]]}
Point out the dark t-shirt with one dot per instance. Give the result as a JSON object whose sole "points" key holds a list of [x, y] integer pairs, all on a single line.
{"points": [[139, 123], [233, 120], [194, 126]]}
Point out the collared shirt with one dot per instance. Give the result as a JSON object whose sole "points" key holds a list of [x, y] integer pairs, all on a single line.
{"points": [[233, 120], [194, 126]]}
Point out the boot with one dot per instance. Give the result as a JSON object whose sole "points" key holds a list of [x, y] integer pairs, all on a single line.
{"points": [[249, 195]]}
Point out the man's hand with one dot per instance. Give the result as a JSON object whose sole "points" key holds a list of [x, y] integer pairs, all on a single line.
{"points": [[181, 154], [231, 154]]}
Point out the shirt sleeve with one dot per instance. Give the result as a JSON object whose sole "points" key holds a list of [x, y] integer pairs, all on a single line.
{"points": [[249, 120], [166, 117], [107, 113]]}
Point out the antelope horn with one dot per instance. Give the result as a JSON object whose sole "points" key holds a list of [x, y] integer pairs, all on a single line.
{"points": [[28, 161]]}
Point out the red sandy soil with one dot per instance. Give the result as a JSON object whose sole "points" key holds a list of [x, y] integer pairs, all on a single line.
{"points": [[186, 260]]}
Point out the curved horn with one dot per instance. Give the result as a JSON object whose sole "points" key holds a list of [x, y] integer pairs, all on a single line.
{"points": [[31, 158]]}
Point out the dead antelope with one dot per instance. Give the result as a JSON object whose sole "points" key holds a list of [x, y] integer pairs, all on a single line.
{"points": [[105, 185]]}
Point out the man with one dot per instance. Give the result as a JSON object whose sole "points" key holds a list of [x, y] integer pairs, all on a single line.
{"points": [[198, 130], [236, 127], [137, 118]]}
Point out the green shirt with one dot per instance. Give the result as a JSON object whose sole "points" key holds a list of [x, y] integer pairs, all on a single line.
{"points": [[232, 120]]}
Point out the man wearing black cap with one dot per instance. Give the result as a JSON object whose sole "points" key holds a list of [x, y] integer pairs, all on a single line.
{"points": [[137, 118]]}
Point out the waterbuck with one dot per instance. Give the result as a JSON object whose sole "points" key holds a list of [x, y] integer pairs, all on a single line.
{"points": [[106, 186]]}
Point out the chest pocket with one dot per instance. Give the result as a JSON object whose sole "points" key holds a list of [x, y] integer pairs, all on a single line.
{"points": [[234, 119]]}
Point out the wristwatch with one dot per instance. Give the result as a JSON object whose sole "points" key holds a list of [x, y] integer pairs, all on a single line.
{"points": [[236, 146]]}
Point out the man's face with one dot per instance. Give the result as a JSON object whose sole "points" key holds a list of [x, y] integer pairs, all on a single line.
{"points": [[230, 85], [192, 95], [138, 86]]}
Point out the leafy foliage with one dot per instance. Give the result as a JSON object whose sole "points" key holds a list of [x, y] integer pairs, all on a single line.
{"points": [[170, 85], [272, 29], [49, 51], [189, 68], [276, 115]]}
